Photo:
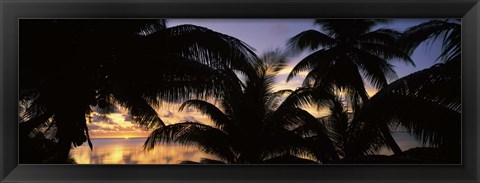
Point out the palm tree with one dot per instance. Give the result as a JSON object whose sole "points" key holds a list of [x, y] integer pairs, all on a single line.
{"points": [[449, 30], [428, 102], [70, 67], [337, 124], [346, 53], [253, 124], [39, 148]]}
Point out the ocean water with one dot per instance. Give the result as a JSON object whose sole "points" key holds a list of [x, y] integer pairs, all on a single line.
{"points": [[404, 140], [130, 151]]}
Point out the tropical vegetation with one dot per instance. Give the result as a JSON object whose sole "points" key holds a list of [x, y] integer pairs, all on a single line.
{"points": [[95, 65], [254, 124], [423, 104]]}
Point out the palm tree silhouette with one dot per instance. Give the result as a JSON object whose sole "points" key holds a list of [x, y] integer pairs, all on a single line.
{"points": [[449, 30], [346, 53], [337, 124], [422, 105], [70, 67], [426, 103], [253, 124], [39, 148]]}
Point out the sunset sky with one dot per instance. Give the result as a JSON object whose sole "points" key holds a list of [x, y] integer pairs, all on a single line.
{"points": [[263, 35]]}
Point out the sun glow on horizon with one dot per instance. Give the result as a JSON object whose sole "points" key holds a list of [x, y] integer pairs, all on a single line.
{"points": [[121, 126]]}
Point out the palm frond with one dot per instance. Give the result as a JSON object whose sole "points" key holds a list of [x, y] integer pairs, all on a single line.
{"points": [[421, 105], [283, 143], [345, 76], [309, 40], [274, 99], [307, 96], [27, 126], [169, 82], [337, 124], [216, 115], [204, 45], [375, 69], [204, 161], [141, 111], [288, 159], [383, 43], [342, 28], [271, 63], [430, 31], [390, 52], [381, 36], [451, 44], [210, 140], [316, 136], [321, 59]]}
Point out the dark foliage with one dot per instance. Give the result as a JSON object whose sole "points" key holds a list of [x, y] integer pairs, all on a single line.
{"points": [[68, 68], [426, 103], [347, 51], [253, 124]]}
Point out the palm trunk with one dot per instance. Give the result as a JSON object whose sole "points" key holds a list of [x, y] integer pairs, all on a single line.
{"points": [[390, 141]]}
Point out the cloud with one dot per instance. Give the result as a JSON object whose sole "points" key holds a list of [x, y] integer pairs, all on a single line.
{"points": [[111, 109], [101, 119], [168, 159], [189, 118], [189, 110], [169, 115], [95, 117], [114, 125], [94, 127], [127, 117], [189, 154], [109, 121]]}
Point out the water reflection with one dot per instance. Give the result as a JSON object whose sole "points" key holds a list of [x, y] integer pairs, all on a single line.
{"points": [[130, 151]]}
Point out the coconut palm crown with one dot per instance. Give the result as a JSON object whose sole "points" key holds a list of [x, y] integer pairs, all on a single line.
{"points": [[253, 124], [347, 54], [426, 103]]}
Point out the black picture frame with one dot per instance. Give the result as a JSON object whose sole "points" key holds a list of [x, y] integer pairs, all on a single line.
{"points": [[12, 10]]}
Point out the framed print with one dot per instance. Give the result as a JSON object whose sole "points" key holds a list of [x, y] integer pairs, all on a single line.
{"points": [[247, 91]]}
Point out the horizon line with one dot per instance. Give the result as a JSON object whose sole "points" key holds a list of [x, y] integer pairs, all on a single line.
{"points": [[117, 137]]}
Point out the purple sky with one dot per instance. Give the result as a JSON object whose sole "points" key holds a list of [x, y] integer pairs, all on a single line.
{"points": [[269, 34]]}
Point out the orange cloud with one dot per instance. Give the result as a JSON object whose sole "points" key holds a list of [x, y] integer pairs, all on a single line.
{"points": [[114, 125], [119, 124]]}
